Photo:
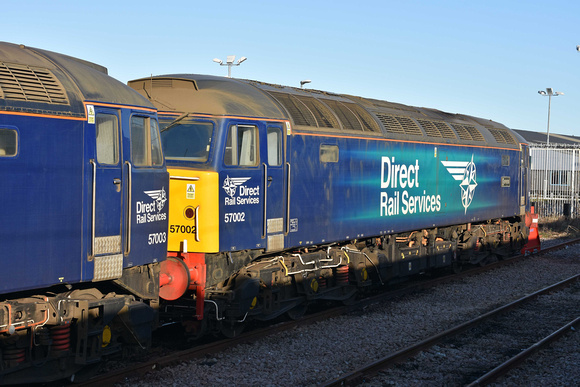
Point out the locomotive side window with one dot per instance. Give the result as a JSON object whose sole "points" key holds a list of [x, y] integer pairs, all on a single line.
{"points": [[274, 147], [328, 153], [242, 146], [505, 160], [145, 143], [8, 142], [107, 139], [186, 140]]}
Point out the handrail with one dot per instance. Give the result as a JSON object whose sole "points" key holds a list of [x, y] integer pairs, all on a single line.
{"points": [[129, 203], [197, 224], [287, 199], [184, 178], [265, 220], [93, 209]]}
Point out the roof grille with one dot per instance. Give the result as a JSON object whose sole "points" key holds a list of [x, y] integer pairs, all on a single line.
{"points": [[468, 132], [391, 105], [353, 117], [364, 120], [502, 136], [324, 117], [299, 113], [437, 129], [306, 111], [33, 84], [401, 125], [348, 119], [162, 82]]}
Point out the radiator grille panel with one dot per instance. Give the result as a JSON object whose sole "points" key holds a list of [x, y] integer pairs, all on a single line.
{"points": [[31, 84]]}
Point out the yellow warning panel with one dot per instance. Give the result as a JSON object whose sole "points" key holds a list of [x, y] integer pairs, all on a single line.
{"points": [[193, 211]]}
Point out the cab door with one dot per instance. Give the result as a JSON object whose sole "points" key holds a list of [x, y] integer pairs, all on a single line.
{"points": [[273, 170], [147, 192], [242, 189], [107, 196]]}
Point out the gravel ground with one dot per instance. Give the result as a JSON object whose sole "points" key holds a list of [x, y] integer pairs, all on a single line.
{"points": [[554, 366], [481, 349], [311, 355]]}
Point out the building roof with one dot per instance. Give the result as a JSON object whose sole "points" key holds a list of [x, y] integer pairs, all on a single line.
{"points": [[540, 138]]}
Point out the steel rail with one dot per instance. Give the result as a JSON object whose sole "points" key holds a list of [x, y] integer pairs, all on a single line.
{"points": [[515, 361], [357, 376]]}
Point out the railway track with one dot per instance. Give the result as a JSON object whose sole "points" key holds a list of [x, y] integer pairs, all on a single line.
{"points": [[516, 360], [138, 370], [487, 324]]}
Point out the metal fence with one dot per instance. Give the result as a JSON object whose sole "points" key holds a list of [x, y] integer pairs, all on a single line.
{"points": [[555, 179]]}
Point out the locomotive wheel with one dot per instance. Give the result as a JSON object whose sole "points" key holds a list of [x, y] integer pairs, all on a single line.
{"points": [[350, 300], [195, 330], [232, 329], [491, 258], [298, 311]]}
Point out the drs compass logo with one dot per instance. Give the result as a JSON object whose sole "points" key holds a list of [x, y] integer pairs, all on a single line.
{"points": [[239, 193], [150, 211], [465, 172], [232, 183]]}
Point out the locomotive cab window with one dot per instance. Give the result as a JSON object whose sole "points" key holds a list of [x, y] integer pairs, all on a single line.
{"points": [[186, 139], [8, 142], [328, 153], [107, 127], [242, 146], [274, 147], [145, 143]]}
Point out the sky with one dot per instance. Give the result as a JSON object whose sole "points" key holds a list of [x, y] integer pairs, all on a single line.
{"points": [[485, 58]]}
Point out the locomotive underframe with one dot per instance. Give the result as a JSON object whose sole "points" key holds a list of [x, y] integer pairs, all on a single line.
{"points": [[262, 287], [53, 336]]}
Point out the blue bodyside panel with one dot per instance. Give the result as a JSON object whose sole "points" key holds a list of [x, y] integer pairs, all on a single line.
{"points": [[149, 216], [382, 187], [41, 197], [46, 194]]}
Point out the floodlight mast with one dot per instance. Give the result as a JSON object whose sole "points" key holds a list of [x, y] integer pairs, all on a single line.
{"points": [[549, 93], [230, 62]]}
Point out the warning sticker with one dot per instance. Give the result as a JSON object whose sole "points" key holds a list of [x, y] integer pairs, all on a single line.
{"points": [[91, 114], [190, 193]]}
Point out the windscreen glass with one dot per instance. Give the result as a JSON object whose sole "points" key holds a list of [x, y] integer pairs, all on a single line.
{"points": [[186, 139]]}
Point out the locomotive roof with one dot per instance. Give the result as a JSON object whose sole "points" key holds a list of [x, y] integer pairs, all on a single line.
{"points": [[319, 111], [207, 94], [40, 81]]}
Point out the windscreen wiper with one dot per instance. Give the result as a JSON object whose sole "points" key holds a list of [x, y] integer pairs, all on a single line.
{"points": [[175, 122]]}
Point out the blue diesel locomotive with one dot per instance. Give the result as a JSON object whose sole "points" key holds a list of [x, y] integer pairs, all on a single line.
{"points": [[83, 226], [282, 196]]}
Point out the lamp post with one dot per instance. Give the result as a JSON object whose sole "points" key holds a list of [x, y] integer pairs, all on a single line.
{"points": [[230, 62], [302, 83], [549, 92]]}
